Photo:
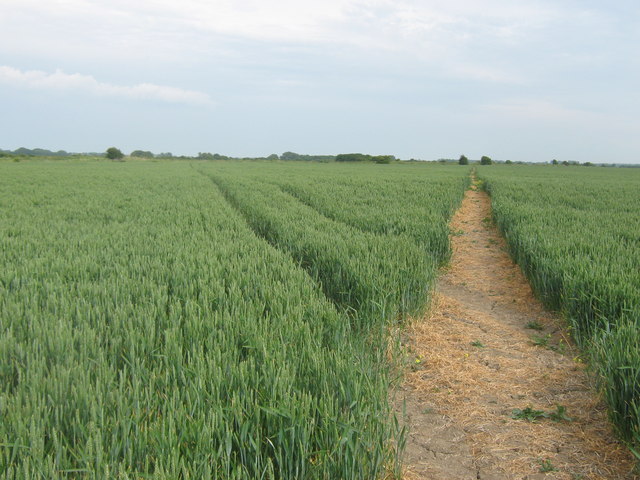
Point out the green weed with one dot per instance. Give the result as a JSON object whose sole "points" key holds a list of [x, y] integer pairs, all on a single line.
{"points": [[535, 325], [531, 415], [528, 414], [546, 466]]}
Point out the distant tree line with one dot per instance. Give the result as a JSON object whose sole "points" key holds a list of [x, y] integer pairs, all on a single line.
{"points": [[307, 158], [297, 157], [363, 157], [36, 152], [211, 156], [114, 153]]}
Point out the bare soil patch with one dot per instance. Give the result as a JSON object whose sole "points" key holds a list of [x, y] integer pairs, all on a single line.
{"points": [[487, 348]]}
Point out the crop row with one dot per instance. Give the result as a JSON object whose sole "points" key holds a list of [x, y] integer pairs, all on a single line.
{"points": [[576, 236], [408, 202], [411, 202], [374, 278]]}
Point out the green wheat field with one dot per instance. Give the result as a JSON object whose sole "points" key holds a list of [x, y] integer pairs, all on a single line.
{"points": [[181, 319]]}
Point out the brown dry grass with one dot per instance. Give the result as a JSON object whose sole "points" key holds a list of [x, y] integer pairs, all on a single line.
{"points": [[484, 300]]}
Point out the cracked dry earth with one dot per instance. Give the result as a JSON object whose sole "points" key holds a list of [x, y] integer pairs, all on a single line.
{"points": [[477, 359]]}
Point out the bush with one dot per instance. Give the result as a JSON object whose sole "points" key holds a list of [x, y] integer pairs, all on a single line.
{"points": [[486, 160], [142, 154], [114, 153], [353, 157], [463, 160], [383, 158]]}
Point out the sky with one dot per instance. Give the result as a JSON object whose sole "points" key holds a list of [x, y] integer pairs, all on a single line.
{"points": [[531, 80]]}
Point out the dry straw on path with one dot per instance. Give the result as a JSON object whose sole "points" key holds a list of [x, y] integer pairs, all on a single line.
{"points": [[488, 348]]}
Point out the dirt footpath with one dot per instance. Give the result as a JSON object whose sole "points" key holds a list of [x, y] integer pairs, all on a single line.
{"points": [[489, 352]]}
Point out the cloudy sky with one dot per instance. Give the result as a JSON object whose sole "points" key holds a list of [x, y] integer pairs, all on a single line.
{"points": [[525, 80]]}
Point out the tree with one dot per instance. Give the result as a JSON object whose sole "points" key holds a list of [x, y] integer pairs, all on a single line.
{"points": [[290, 156], [114, 153], [485, 160], [508, 162], [142, 154], [40, 152], [383, 158], [353, 157], [463, 160], [554, 162]]}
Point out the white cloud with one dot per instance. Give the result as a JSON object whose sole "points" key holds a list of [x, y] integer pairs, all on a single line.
{"points": [[333, 21], [76, 82], [447, 35]]}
